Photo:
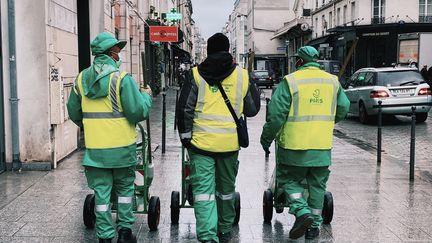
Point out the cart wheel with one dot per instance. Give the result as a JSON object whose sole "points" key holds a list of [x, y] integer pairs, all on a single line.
{"points": [[189, 195], [237, 207], [175, 207], [153, 215], [327, 212], [88, 212], [268, 205]]}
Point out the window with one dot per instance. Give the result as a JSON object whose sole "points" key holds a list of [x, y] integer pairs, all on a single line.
{"points": [[353, 11], [316, 3], [338, 17], [316, 24], [324, 24], [425, 11], [330, 25], [345, 14], [323, 2], [378, 10]]}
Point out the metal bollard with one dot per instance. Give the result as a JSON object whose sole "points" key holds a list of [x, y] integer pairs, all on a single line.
{"points": [[379, 135], [163, 120], [267, 103], [175, 113], [412, 144]]}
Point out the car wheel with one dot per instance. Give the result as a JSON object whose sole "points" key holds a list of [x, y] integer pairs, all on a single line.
{"points": [[421, 117], [363, 115]]}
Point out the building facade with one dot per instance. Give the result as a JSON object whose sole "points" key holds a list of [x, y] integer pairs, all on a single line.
{"points": [[364, 33], [44, 45], [250, 28]]}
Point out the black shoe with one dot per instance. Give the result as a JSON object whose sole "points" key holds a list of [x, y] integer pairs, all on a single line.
{"points": [[224, 237], [125, 236], [105, 240], [300, 226], [312, 233]]}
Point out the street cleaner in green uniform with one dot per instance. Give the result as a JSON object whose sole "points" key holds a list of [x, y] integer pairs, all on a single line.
{"points": [[107, 104], [301, 116]]}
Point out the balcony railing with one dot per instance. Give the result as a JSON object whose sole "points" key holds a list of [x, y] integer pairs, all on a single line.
{"points": [[378, 20], [425, 19]]}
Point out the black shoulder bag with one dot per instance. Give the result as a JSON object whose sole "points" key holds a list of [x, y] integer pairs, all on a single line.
{"points": [[242, 132]]}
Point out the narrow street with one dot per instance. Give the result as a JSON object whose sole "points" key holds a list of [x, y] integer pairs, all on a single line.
{"points": [[372, 204]]}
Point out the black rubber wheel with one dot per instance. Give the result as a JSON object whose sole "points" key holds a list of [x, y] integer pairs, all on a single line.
{"points": [[175, 207], [88, 212], [153, 215], [327, 212], [268, 206], [364, 118], [421, 117], [189, 195], [237, 207]]}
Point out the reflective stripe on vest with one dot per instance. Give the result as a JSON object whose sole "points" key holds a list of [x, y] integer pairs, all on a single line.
{"points": [[214, 128], [104, 123], [310, 121]]}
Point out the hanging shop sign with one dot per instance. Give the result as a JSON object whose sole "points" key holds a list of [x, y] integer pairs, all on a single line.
{"points": [[164, 33]]}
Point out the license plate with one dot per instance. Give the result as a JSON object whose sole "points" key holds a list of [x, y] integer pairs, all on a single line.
{"points": [[403, 91]]}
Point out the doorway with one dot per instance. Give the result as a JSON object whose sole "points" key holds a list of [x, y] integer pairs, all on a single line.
{"points": [[84, 58]]}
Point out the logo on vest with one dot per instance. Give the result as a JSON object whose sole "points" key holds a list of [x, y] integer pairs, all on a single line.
{"points": [[316, 99], [213, 88]]}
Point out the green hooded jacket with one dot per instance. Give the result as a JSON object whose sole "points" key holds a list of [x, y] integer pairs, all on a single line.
{"points": [[278, 111], [136, 107]]}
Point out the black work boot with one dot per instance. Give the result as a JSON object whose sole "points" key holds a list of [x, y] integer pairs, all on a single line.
{"points": [[301, 224], [312, 233], [224, 237], [105, 240], [125, 236]]}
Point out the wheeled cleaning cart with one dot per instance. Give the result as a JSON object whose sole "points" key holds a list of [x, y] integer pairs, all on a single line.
{"points": [[142, 202], [185, 200], [270, 200]]}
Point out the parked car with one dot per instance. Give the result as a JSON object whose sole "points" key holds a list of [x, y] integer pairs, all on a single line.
{"points": [[392, 85], [262, 78]]}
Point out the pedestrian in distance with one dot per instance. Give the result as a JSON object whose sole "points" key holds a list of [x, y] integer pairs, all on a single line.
{"points": [[424, 73], [107, 104], [207, 129], [301, 116], [429, 74]]}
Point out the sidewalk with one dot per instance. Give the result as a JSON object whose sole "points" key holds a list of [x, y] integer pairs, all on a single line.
{"points": [[372, 204]]}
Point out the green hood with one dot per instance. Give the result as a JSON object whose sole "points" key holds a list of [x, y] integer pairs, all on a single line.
{"points": [[96, 77]]}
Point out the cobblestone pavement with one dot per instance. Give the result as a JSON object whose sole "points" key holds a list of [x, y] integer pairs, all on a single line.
{"points": [[396, 134], [372, 204]]}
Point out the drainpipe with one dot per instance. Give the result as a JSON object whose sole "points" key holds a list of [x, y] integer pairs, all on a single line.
{"points": [[16, 163]]}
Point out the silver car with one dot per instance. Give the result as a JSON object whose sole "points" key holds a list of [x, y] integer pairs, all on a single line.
{"points": [[391, 85]]}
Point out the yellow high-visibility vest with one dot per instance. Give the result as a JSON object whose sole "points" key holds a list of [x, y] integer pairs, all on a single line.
{"points": [[105, 126], [312, 112], [214, 128]]}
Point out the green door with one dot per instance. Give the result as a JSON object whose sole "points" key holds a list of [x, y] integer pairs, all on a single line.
{"points": [[2, 134]]}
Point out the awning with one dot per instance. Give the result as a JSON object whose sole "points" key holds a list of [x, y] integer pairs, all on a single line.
{"points": [[293, 25], [318, 41], [181, 54]]}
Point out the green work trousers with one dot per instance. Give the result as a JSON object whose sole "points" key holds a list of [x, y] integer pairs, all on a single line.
{"points": [[289, 179], [103, 181], [213, 187]]}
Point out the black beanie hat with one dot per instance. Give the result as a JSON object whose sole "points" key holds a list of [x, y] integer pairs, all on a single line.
{"points": [[216, 43]]}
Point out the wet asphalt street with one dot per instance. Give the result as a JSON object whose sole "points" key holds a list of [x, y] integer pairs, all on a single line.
{"points": [[372, 203]]}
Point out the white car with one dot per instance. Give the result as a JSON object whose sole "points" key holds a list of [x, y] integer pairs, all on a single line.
{"points": [[393, 85]]}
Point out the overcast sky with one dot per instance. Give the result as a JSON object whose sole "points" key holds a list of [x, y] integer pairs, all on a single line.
{"points": [[210, 15]]}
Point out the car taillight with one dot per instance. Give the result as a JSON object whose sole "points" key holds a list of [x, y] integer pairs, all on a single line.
{"points": [[425, 91], [379, 94]]}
